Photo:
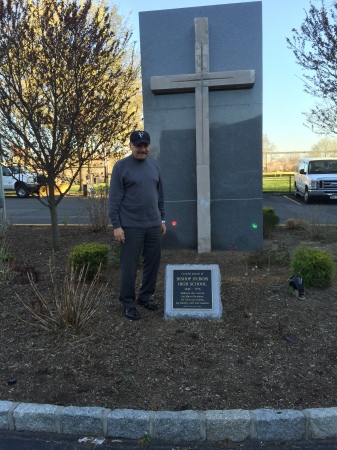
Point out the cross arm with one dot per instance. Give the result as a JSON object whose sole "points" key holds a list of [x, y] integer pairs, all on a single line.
{"points": [[171, 84]]}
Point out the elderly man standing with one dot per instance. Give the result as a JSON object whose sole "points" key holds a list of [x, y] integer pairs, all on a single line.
{"points": [[136, 211]]}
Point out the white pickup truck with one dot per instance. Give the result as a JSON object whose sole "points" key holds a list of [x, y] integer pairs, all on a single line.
{"points": [[20, 180]]}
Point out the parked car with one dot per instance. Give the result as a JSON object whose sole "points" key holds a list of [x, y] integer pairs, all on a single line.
{"points": [[20, 180], [316, 177]]}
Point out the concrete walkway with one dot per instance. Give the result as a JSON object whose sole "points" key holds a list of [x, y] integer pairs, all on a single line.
{"points": [[182, 426]]}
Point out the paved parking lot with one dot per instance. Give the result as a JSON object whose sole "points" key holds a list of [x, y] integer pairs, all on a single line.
{"points": [[30, 441], [288, 206], [72, 210]]}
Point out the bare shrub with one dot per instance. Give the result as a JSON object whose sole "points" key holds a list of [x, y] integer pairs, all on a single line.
{"points": [[270, 256], [70, 305], [320, 231], [294, 224], [96, 204], [313, 227]]}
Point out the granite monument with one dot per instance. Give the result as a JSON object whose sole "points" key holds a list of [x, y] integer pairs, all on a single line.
{"points": [[202, 91]]}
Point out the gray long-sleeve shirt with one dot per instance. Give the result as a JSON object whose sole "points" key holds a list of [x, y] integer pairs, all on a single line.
{"points": [[136, 197]]}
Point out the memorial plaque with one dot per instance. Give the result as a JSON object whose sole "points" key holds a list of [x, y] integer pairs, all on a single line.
{"points": [[193, 291]]}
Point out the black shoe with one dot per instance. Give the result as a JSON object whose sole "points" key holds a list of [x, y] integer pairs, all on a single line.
{"points": [[148, 304], [131, 313]]}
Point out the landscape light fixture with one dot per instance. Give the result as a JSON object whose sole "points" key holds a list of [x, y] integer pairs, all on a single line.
{"points": [[296, 282]]}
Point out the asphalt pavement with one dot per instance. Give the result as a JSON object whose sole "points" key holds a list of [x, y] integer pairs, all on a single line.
{"points": [[287, 206], [73, 210], [30, 211], [40, 441]]}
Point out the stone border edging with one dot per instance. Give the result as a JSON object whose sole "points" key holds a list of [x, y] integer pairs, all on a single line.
{"points": [[236, 425]]}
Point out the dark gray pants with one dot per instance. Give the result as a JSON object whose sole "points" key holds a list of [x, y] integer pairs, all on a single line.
{"points": [[145, 241]]}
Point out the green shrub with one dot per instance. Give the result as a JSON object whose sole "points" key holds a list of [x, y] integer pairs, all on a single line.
{"points": [[92, 255], [316, 267], [270, 220]]}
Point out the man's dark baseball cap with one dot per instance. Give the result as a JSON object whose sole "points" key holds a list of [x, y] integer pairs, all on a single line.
{"points": [[139, 136]]}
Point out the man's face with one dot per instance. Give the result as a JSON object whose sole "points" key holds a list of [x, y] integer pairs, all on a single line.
{"points": [[140, 151]]}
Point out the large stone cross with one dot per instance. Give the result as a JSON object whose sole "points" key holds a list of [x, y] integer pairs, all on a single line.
{"points": [[201, 82]]}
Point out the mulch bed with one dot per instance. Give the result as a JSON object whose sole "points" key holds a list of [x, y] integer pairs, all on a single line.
{"points": [[269, 350]]}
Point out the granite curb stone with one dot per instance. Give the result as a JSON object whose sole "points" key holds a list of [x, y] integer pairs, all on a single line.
{"points": [[232, 424], [34, 417], [213, 425], [322, 422], [87, 420], [179, 426], [4, 412], [280, 425], [128, 423]]}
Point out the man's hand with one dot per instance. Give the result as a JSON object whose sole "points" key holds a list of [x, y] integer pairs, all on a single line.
{"points": [[163, 229], [119, 235]]}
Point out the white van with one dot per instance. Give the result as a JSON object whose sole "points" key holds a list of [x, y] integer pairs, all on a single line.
{"points": [[316, 177]]}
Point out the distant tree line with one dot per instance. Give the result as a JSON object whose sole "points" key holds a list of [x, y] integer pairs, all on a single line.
{"points": [[275, 161]]}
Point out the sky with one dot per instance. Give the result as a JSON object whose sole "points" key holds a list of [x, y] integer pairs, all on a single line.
{"points": [[284, 99]]}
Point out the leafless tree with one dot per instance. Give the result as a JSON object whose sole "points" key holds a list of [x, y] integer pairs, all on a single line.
{"points": [[326, 147], [69, 80], [268, 151], [315, 49]]}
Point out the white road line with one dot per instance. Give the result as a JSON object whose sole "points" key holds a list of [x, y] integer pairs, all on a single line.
{"points": [[292, 200]]}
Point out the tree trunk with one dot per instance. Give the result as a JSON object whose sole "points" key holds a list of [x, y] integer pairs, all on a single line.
{"points": [[81, 181], [54, 221]]}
